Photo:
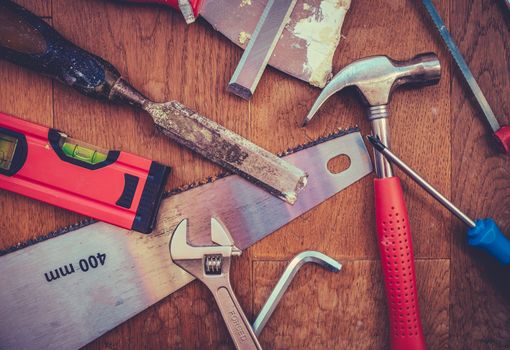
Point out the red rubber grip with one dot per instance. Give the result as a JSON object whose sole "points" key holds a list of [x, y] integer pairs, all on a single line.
{"points": [[503, 136], [397, 259]]}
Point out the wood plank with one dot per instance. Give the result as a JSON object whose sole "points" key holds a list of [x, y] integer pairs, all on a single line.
{"points": [[480, 300], [345, 310]]}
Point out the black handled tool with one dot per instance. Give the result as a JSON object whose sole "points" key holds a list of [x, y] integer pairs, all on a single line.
{"points": [[27, 40]]}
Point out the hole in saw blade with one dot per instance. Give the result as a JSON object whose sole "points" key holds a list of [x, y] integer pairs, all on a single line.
{"points": [[338, 164]]}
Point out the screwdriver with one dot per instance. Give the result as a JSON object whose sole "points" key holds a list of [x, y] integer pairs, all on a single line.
{"points": [[482, 233], [502, 133]]}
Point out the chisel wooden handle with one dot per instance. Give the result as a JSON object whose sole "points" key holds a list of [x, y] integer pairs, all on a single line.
{"points": [[397, 258], [27, 40]]}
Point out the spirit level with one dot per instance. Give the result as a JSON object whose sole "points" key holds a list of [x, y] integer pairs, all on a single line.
{"points": [[111, 186]]}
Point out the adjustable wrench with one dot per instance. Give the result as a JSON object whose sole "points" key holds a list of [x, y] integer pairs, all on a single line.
{"points": [[211, 265]]}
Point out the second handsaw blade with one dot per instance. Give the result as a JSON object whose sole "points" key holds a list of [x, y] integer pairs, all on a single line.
{"points": [[66, 291]]}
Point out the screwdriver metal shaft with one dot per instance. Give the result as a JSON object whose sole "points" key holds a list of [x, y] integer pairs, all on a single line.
{"points": [[421, 181], [482, 233]]}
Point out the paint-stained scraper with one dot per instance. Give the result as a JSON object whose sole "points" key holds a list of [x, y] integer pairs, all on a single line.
{"points": [[306, 46]]}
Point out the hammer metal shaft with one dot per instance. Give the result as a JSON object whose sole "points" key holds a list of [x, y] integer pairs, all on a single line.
{"points": [[380, 129]]}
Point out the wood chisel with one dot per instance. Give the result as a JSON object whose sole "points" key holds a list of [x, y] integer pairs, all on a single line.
{"points": [[262, 43], [111, 186], [46, 301], [501, 133], [483, 233], [307, 44], [27, 40]]}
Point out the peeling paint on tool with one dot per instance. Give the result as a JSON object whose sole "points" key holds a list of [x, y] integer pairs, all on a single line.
{"points": [[245, 3], [321, 32], [95, 77], [185, 121], [291, 51], [244, 37]]}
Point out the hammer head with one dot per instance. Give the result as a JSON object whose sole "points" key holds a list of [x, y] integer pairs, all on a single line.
{"points": [[376, 77]]}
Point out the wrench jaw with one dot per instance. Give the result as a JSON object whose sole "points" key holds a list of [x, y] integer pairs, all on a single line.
{"points": [[203, 262], [211, 265]]}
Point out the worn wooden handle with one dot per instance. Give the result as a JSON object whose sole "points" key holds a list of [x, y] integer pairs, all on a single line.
{"points": [[27, 40]]}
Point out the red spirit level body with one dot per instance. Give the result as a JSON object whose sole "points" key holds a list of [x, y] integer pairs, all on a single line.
{"points": [[111, 186]]}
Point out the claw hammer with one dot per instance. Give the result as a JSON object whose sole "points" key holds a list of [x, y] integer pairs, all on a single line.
{"points": [[376, 78]]}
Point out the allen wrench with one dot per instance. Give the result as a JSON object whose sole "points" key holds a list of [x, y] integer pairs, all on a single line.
{"points": [[308, 256]]}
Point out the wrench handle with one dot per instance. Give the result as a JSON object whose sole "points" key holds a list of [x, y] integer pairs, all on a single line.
{"points": [[397, 259], [238, 326]]}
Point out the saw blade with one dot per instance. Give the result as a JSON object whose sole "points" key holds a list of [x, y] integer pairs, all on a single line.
{"points": [[66, 291]]}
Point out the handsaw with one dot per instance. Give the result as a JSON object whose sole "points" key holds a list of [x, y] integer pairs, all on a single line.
{"points": [[307, 45], [81, 281], [27, 40]]}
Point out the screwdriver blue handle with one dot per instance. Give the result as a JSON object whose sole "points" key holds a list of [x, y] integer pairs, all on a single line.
{"points": [[487, 235]]}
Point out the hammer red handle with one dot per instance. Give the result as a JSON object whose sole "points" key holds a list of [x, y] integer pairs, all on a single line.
{"points": [[397, 258]]}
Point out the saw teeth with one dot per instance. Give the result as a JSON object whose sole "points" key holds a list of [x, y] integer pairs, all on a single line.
{"points": [[52, 234], [340, 132]]}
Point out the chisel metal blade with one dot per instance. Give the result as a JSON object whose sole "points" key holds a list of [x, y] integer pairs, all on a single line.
{"points": [[66, 291], [263, 40]]}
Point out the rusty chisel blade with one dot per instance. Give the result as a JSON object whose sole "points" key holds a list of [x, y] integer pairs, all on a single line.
{"points": [[66, 291], [262, 43], [27, 40], [228, 149]]}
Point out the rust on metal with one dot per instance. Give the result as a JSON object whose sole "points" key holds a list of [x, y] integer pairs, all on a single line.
{"points": [[228, 149], [218, 144]]}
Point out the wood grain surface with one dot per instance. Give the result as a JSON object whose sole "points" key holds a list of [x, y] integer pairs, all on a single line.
{"points": [[464, 295]]}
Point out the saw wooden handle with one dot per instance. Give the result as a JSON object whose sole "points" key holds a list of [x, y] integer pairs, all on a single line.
{"points": [[397, 259], [27, 40]]}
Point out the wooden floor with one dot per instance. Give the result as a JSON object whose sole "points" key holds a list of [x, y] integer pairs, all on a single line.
{"points": [[464, 296]]}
